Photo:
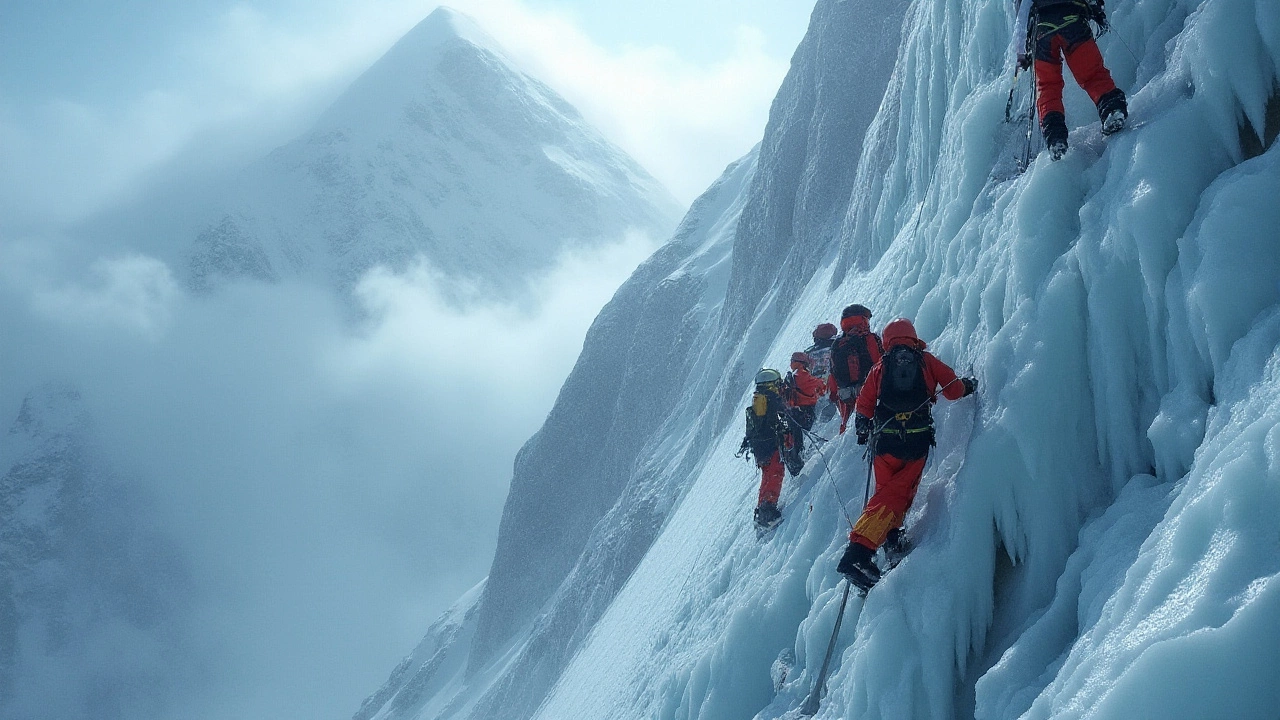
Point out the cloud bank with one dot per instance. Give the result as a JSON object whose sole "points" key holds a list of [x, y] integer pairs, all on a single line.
{"points": [[331, 486]]}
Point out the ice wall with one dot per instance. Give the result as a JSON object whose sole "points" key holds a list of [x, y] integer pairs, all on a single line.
{"points": [[1093, 534]]}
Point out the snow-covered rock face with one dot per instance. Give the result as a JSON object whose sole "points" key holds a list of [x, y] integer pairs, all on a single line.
{"points": [[441, 150], [87, 595], [1095, 535], [779, 235], [808, 157], [651, 390], [594, 492]]}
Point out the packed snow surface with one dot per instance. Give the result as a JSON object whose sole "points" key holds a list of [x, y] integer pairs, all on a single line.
{"points": [[1096, 532]]}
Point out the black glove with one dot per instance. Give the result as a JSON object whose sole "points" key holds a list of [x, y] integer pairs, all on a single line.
{"points": [[742, 449], [1024, 61], [862, 426], [1100, 17], [970, 386]]}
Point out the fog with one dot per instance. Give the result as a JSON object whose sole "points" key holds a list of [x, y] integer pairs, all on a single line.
{"points": [[294, 495], [329, 486]]}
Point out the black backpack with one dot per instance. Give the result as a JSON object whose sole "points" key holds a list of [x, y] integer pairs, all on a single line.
{"points": [[766, 423], [851, 360], [902, 383]]}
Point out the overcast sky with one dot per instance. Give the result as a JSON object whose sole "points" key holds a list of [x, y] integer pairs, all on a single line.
{"points": [[93, 94]]}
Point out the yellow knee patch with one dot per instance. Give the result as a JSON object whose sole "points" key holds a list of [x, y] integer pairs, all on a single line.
{"points": [[875, 525]]}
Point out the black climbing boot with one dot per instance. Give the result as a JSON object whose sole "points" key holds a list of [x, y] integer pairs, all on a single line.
{"points": [[858, 566], [1113, 111], [1054, 127], [896, 546], [767, 515]]}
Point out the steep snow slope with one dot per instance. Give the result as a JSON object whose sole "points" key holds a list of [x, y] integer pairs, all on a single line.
{"points": [[812, 96], [443, 150], [638, 355], [1097, 538], [1096, 534]]}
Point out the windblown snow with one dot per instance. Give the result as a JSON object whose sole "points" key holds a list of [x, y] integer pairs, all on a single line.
{"points": [[1096, 532]]}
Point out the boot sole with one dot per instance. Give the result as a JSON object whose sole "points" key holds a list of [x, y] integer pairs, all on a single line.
{"points": [[860, 580], [1114, 123]]}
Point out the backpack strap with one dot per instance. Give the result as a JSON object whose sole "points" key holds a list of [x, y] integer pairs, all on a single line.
{"points": [[864, 356]]}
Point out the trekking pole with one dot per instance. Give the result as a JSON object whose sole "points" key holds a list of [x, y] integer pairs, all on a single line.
{"points": [[814, 700], [1032, 113], [871, 461], [1033, 31], [1008, 105]]}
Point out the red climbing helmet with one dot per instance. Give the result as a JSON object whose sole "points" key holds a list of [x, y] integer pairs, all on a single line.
{"points": [[853, 319], [901, 332], [801, 357], [825, 331]]}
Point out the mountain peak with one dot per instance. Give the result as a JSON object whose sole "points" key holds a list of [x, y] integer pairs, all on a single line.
{"points": [[442, 29], [446, 23], [442, 149], [431, 50]]}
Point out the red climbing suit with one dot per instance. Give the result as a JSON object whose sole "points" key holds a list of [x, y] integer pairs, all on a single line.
{"points": [[1085, 61], [772, 471], [898, 478], [1062, 31], [807, 388], [848, 351]]}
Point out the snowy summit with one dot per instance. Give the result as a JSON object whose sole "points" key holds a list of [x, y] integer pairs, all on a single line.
{"points": [[441, 150]]}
